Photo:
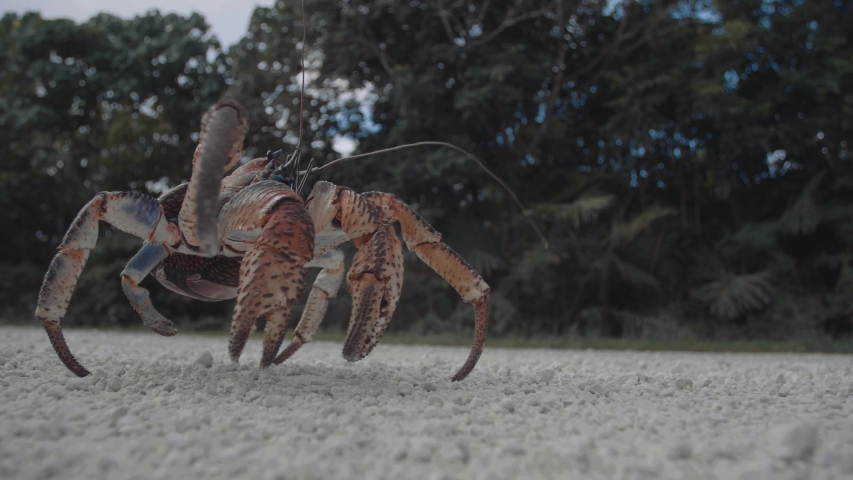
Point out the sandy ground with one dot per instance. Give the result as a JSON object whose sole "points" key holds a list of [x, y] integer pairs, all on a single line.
{"points": [[166, 408]]}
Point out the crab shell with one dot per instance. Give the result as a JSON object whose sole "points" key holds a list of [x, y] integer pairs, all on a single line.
{"points": [[243, 235]]}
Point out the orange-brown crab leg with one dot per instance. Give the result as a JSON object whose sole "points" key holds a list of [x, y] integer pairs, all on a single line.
{"points": [[425, 241], [131, 212], [376, 275], [375, 281], [326, 286], [272, 278]]}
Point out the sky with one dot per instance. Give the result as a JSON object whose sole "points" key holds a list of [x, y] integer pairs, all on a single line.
{"points": [[228, 18]]}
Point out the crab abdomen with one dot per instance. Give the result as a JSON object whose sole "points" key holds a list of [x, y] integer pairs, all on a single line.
{"points": [[210, 279]]}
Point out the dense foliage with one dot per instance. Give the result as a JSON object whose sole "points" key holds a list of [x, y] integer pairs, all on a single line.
{"points": [[690, 161]]}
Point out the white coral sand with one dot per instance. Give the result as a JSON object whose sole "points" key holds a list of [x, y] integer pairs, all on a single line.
{"points": [[166, 408]]}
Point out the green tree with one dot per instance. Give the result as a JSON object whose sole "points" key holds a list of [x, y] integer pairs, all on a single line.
{"points": [[109, 104]]}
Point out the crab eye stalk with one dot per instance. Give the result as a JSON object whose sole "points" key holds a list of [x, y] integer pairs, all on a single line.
{"points": [[273, 156]]}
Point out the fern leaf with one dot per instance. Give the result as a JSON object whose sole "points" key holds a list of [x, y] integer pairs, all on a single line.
{"points": [[732, 295], [627, 232], [584, 209], [634, 275], [804, 215]]}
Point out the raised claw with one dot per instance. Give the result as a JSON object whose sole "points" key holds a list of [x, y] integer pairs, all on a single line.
{"points": [[223, 128]]}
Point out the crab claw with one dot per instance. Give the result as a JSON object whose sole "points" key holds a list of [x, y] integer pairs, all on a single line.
{"points": [[223, 128], [375, 281]]}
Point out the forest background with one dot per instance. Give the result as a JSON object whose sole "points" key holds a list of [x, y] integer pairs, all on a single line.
{"points": [[690, 161]]}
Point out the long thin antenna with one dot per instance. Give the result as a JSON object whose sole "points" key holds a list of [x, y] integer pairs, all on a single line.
{"points": [[302, 90], [460, 150], [308, 171]]}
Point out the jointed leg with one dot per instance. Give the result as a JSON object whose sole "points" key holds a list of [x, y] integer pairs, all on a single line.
{"points": [[426, 243], [272, 278], [375, 281], [326, 286], [139, 266], [376, 276], [131, 212], [470, 285], [377, 271]]}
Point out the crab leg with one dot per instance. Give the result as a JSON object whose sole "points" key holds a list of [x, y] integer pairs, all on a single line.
{"points": [[131, 212], [425, 241], [272, 278], [376, 276], [139, 266], [326, 286], [220, 141], [374, 281]]}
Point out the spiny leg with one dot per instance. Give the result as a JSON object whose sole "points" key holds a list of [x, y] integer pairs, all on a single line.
{"points": [[425, 241], [339, 213], [131, 212], [470, 285], [375, 281], [139, 266], [272, 278], [376, 276], [326, 286]]}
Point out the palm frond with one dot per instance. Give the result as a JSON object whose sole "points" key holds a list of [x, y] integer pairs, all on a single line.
{"points": [[533, 264], [483, 261], [757, 236], [626, 232], [634, 275], [583, 209], [732, 295], [804, 215]]}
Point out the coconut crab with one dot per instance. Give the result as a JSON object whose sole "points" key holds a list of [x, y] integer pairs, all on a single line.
{"points": [[251, 235]]}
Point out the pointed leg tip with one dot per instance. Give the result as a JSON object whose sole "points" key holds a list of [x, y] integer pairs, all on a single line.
{"points": [[267, 360], [288, 351], [164, 329], [57, 339], [353, 355]]}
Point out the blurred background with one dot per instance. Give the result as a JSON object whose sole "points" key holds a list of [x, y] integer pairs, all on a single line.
{"points": [[691, 162]]}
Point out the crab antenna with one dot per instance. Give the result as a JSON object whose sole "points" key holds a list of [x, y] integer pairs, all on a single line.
{"points": [[468, 154], [302, 90], [296, 157], [294, 171], [305, 174]]}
